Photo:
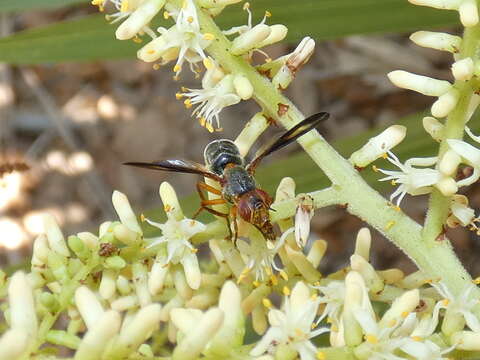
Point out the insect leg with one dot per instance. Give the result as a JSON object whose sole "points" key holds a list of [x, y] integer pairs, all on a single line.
{"points": [[218, 213], [233, 215]]}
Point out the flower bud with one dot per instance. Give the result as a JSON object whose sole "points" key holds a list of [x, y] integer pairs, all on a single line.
{"points": [[461, 212], [302, 264], [125, 212], [173, 303], [153, 50], [277, 33], [463, 69], [372, 279], [62, 338], [354, 293], [90, 240], [104, 228], [230, 334], [437, 40], [203, 299], [14, 344], [449, 163], [468, 13], [157, 275], [400, 307], [301, 54], [98, 336], [243, 87], [378, 145], [438, 4], [107, 284], [422, 84], [445, 103], [433, 127], [56, 241], [316, 252], [466, 340], [58, 265], [363, 242], [259, 319], [88, 305], [125, 303], [123, 285], [138, 330], [78, 247], [138, 19], [196, 339], [250, 39], [171, 205], [115, 262], [447, 186], [40, 250], [140, 282], [21, 304], [125, 235], [256, 126]]}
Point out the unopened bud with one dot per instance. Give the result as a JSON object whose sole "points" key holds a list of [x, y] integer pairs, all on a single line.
{"points": [[465, 150], [56, 241], [257, 125], [277, 33], [125, 212], [377, 146], [466, 340], [449, 163], [170, 201], [405, 304], [468, 13], [125, 235], [419, 83], [445, 103], [250, 39], [301, 54], [107, 284], [463, 69], [433, 127], [437, 40], [372, 279], [88, 305], [13, 344], [243, 87], [363, 242], [138, 19], [21, 304], [447, 186]]}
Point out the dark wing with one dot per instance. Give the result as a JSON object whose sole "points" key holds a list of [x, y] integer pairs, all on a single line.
{"points": [[290, 136], [182, 166]]}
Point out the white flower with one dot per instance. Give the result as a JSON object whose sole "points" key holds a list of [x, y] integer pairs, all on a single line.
{"points": [[461, 214], [425, 350], [211, 100], [176, 235], [259, 256], [411, 180], [333, 296], [293, 325], [183, 41], [459, 309], [470, 155]]}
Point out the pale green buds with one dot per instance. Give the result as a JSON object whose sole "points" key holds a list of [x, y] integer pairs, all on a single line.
{"points": [[449, 163], [115, 263], [378, 145], [363, 243], [88, 305], [243, 87], [107, 284], [354, 298], [445, 103], [433, 127], [56, 241], [13, 344], [277, 34], [463, 69], [422, 84], [22, 309], [125, 235], [437, 40], [78, 247], [140, 282], [250, 39], [40, 251], [138, 19], [257, 125], [125, 212], [466, 340]]}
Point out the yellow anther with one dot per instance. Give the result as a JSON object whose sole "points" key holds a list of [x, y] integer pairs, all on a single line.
{"points": [[268, 13], [392, 323], [142, 218], [194, 250], [389, 225], [372, 339], [202, 121], [256, 283], [268, 270], [320, 355], [334, 328], [178, 96], [417, 338], [385, 156], [166, 15], [156, 66], [445, 302], [151, 51], [299, 333], [243, 275], [476, 280], [396, 208], [184, 89], [267, 60], [208, 63], [208, 36], [274, 280], [167, 208], [188, 103], [177, 68], [316, 283], [246, 6], [286, 291], [137, 40], [374, 168], [393, 182], [314, 297], [267, 303], [184, 4], [190, 19], [329, 320], [219, 129], [283, 275], [209, 127], [404, 314], [124, 6]]}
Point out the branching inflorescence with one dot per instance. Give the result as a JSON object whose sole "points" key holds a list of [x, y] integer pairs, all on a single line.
{"points": [[116, 294]]}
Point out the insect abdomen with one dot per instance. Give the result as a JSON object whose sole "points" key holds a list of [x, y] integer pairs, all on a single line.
{"points": [[221, 152]]}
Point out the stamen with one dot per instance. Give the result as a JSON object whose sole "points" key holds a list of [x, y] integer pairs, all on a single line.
{"points": [[267, 303], [372, 339], [166, 15], [124, 6], [286, 291], [188, 103], [178, 96]]}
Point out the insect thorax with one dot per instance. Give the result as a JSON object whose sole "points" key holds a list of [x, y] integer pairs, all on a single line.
{"points": [[237, 182], [221, 152]]}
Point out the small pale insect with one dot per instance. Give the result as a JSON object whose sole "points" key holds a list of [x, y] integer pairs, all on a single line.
{"points": [[224, 164]]}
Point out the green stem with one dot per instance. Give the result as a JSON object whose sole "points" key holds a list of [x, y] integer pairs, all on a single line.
{"points": [[439, 205], [359, 198]]}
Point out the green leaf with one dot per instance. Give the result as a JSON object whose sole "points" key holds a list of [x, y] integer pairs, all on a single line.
{"points": [[19, 5], [92, 38]]}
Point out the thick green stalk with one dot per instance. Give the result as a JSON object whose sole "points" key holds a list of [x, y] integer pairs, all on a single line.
{"points": [[439, 205], [359, 198]]}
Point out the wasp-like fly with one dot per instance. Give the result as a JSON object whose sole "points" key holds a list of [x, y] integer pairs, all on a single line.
{"points": [[225, 165]]}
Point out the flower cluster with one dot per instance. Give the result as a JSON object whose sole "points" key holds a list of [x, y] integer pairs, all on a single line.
{"points": [[125, 295]]}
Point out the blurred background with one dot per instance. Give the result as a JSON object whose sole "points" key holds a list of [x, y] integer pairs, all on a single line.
{"points": [[75, 104]]}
